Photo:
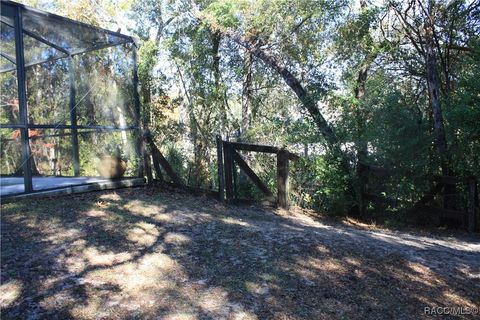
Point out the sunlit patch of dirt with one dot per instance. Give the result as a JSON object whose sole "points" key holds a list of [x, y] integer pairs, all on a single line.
{"points": [[162, 217], [456, 298], [176, 238], [111, 196], [258, 288], [10, 292], [96, 213], [357, 223], [213, 300], [180, 316], [325, 265], [323, 249], [353, 261], [94, 257], [236, 221], [141, 208], [143, 284], [143, 234]]}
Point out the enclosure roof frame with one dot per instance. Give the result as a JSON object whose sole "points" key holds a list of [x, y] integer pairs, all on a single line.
{"points": [[125, 39]]}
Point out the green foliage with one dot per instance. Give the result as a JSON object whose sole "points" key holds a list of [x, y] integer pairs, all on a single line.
{"points": [[177, 160], [147, 53], [319, 183], [224, 12], [463, 116]]}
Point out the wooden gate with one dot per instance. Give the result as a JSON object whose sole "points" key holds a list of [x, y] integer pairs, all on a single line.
{"points": [[227, 157]]}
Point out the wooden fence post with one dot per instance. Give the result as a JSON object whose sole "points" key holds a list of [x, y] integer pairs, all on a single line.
{"points": [[228, 165], [221, 178], [472, 204], [282, 178]]}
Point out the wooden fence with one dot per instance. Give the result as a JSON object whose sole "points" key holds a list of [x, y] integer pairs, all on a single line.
{"points": [[228, 156], [440, 184], [467, 218]]}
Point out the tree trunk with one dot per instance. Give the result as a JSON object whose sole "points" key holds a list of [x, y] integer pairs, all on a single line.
{"points": [[433, 84], [216, 37], [246, 103], [362, 148], [35, 171], [146, 93], [247, 93]]}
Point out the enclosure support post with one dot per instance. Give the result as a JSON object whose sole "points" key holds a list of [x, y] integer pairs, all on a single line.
{"points": [[73, 119], [140, 145], [472, 204], [227, 153], [282, 178], [22, 102], [221, 178]]}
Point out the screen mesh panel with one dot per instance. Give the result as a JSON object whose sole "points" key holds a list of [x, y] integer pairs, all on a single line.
{"points": [[7, 45], [48, 37], [70, 35], [68, 114]]}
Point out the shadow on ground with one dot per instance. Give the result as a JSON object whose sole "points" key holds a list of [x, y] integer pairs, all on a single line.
{"points": [[142, 253]]}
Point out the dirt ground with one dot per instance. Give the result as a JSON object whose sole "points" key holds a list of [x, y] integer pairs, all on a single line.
{"points": [[146, 254]]}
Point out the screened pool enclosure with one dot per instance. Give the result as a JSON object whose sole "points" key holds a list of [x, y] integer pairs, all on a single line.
{"points": [[70, 109]]}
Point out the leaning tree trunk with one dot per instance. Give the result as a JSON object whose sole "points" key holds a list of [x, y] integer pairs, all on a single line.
{"points": [[308, 102]]}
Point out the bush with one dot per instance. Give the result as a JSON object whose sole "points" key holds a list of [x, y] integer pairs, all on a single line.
{"points": [[318, 183]]}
